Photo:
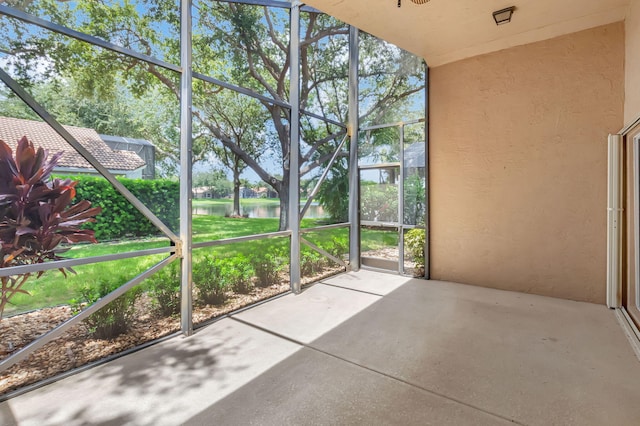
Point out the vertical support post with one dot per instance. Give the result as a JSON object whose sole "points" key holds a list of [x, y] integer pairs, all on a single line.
{"points": [[186, 306], [401, 203], [427, 210], [614, 223], [636, 215], [354, 186], [294, 148]]}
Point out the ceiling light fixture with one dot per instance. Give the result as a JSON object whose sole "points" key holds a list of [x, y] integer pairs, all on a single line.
{"points": [[503, 16], [414, 1]]}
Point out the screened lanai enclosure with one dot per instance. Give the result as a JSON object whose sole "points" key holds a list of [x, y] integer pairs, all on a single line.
{"points": [[287, 146]]}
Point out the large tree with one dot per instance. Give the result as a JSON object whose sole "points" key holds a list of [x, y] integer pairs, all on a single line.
{"points": [[241, 120], [246, 45]]}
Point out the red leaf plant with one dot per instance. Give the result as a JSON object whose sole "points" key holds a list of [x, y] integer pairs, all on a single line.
{"points": [[36, 214]]}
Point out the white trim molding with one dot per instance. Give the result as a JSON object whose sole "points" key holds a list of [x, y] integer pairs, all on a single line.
{"points": [[636, 216], [614, 223], [630, 330]]}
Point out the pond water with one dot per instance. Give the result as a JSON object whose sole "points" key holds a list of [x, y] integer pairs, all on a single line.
{"points": [[255, 211]]}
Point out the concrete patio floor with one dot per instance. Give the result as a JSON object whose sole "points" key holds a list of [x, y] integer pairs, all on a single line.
{"points": [[366, 348]]}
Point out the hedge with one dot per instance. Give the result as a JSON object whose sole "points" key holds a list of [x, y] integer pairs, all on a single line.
{"points": [[119, 218]]}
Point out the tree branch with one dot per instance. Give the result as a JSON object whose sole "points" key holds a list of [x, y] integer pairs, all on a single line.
{"points": [[319, 143], [318, 162], [248, 159]]}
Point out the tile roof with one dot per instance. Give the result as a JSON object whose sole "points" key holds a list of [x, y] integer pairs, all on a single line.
{"points": [[41, 134]]}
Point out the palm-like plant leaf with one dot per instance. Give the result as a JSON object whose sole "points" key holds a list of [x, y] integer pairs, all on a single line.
{"points": [[36, 213]]}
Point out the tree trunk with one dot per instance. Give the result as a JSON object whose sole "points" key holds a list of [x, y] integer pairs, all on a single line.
{"points": [[236, 190], [283, 193]]}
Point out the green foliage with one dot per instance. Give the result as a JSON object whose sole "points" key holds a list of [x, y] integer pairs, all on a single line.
{"points": [[115, 318], [239, 273], [238, 43], [414, 200], [311, 262], [414, 242], [209, 278], [164, 287], [215, 277], [242, 121], [391, 82], [267, 267], [379, 145], [215, 181], [339, 247], [36, 214], [117, 114], [333, 194], [379, 202], [54, 289], [119, 217]]}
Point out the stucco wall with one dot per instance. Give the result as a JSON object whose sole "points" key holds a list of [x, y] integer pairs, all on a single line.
{"points": [[632, 62], [519, 164]]}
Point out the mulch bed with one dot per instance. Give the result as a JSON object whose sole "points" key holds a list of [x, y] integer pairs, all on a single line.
{"points": [[77, 348]]}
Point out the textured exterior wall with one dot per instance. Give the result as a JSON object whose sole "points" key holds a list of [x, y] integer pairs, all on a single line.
{"points": [[518, 146], [632, 62]]}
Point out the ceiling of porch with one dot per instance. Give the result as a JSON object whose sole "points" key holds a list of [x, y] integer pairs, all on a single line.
{"points": [[444, 31]]}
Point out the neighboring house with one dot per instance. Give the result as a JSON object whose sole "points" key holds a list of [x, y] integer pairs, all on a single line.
{"points": [[145, 150], [264, 192], [246, 192], [202, 192], [119, 163]]}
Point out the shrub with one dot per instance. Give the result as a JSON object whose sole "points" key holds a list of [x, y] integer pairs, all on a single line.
{"points": [[267, 268], [311, 262], [36, 214], [209, 279], [414, 200], [414, 241], [119, 217], [379, 202], [238, 271], [333, 195], [164, 287], [115, 318], [339, 247]]}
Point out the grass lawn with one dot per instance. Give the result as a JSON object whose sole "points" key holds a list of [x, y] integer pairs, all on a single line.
{"points": [[54, 289]]}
